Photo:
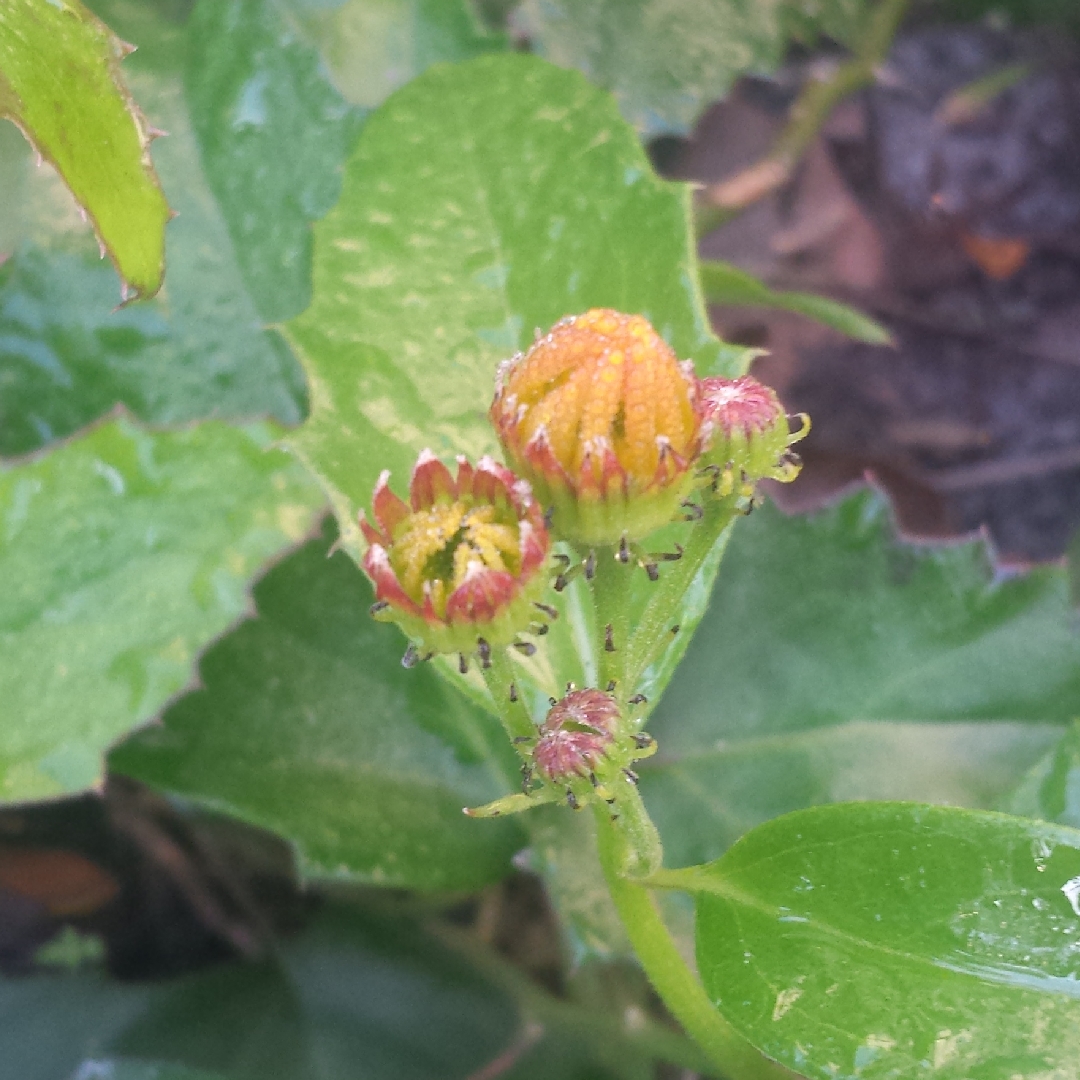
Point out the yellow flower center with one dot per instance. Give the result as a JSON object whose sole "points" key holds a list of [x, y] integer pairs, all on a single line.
{"points": [[437, 546]]}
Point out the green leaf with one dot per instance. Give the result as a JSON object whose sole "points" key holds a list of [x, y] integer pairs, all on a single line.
{"points": [[891, 939], [195, 351], [723, 283], [309, 726], [372, 47], [124, 553], [833, 662], [665, 60], [1051, 788], [483, 201], [704, 802], [60, 83], [273, 133], [67, 356]]}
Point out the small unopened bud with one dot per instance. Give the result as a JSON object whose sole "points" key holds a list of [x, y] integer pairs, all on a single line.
{"points": [[576, 734], [746, 430]]}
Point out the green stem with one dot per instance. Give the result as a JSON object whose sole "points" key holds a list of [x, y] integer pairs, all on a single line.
{"points": [[677, 985], [499, 677], [610, 586], [654, 630]]}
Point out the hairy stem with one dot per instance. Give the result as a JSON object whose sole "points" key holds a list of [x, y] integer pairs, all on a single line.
{"points": [[677, 985], [653, 631], [499, 677], [610, 586]]}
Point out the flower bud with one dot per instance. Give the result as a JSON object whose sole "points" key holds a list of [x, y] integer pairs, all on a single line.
{"points": [[599, 415], [745, 429], [460, 563], [575, 735]]}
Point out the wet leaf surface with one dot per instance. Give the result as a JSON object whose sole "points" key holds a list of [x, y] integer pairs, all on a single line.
{"points": [[125, 553], [898, 939]]}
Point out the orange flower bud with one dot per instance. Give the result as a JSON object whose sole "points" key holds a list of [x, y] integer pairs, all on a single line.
{"points": [[600, 416]]}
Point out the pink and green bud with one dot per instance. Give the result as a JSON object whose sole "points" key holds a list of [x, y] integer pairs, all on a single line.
{"points": [[600, 416], [575, 735], [462, 561], [746, 429]]}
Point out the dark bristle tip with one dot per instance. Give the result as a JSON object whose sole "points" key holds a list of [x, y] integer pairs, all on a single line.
{"points": [[611, 686]]}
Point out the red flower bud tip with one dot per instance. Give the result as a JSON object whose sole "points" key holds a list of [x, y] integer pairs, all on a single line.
{"points": [[599, 415], [461, 560], [576, 734], [746, 430]]}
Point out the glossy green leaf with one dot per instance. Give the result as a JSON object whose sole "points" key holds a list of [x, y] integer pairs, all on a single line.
{"points": [[833, 661], [273, 133], [665, 60], [309, 726], [723, 283], [483, 201], [894, 939], [372, 47], [123, 553], [60, 83]]}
